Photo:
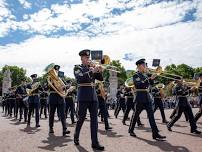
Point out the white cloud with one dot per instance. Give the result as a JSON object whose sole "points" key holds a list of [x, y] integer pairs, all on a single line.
{"points": [[25, 4], [6, 18], [132, 32], [172, 44]]}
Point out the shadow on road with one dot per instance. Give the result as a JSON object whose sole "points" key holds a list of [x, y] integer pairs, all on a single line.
{"points": [[30, 130], [189, 134], [54, 141], [109, 133], [146, 129], [165, 146], [81, 149], [17, 123]]}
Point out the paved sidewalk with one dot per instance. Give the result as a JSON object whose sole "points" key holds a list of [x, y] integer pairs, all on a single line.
{"points": [[17, 137]]}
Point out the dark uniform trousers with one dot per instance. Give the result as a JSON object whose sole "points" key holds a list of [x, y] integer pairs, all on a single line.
{"points": [[11, 106], [69, 107], [22, 108], [130, 106], [16, 109], [139, 106], [57, 102], [175, 111], [34, 104], [199, 113], [180, 110], [103, 110], [43, 103], [159, 104], [92, 106], [6, 106], [3, 105], [182, 106], [121, 106]]}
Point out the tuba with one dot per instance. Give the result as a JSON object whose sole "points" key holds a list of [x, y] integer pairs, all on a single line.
{"points": [[129, 83], [54, 81]]}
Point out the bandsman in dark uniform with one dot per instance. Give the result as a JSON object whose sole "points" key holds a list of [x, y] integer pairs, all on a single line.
{"points": [[3, 102], [57, 102], [175, 111], [143, 99], [157, 93], [102, 104], [69, 100], [129, 98], [121, 103], [20, 95], [181, 91], [85, 75], [6, 104], [11, 100], [199, 113], [33, 100]]}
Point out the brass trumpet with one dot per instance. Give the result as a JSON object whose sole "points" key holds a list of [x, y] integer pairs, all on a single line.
{"points": [[104, 64]]}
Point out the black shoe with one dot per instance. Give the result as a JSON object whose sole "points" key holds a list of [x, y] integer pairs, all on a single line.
{"points": [[132, 134], [123, 122], [19, 120], [65, 132], [37, 126], [76, 141], [195, 131], [28, 124], [108, 128], [158, 136], [98, 147], [51, 131], [169, 128], [73, 122]]}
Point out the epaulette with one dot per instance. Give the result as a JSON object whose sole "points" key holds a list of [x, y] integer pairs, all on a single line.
{"points": [[77, 67]]}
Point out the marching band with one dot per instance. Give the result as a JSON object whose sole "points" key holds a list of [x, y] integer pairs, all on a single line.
{"points": [[142, 93]]}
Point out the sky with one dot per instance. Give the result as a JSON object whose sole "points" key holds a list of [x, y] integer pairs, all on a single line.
{"points": [[35, 33]]}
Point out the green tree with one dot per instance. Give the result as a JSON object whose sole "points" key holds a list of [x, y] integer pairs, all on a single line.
{"points": [[17, 73], [198, 70], [130, 73], [116, 65]]}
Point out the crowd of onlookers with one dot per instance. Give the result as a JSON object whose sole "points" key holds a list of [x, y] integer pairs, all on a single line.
{"points": [[168, 102]]}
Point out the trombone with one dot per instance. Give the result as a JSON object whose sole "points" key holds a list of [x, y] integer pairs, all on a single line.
{"points": [[160, 73], [191, 83]]}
